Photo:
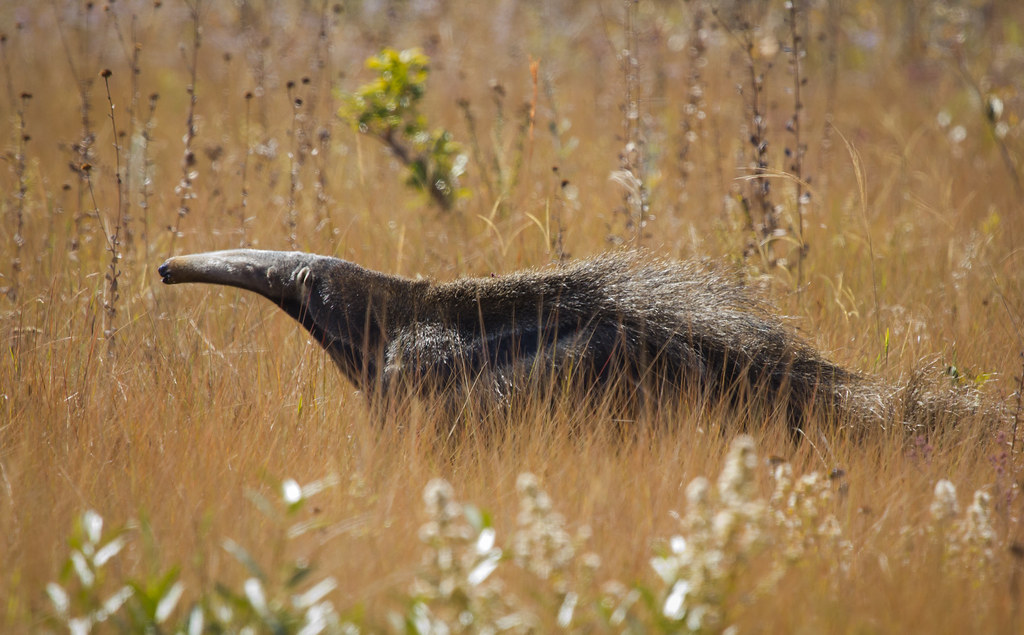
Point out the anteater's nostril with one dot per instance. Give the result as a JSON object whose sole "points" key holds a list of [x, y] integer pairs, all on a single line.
{"points": [[165, 272]]}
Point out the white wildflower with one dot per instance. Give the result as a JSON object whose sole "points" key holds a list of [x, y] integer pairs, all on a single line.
{"points": [[438, 496], [527, 484], [485, 567], [698, 496], [736, 482], [944, 506], [566, 610], [291, 491], [59, 598], [166, 605], [93, 525], [257, 599], [109, 550], [675, 604], [978, 532]]}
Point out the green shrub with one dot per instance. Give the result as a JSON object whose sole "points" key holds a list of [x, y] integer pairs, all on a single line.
{"points": [[388, 109]]}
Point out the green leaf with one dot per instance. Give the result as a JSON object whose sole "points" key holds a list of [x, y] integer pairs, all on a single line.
{"points": [[262, 504], [300, 571], [479, 519], [242, 556]]}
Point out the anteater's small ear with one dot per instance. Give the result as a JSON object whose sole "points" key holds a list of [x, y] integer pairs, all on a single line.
{"points": [[304, 283]]}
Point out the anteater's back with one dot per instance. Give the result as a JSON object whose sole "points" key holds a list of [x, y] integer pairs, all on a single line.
{"points": [[625, 319]]}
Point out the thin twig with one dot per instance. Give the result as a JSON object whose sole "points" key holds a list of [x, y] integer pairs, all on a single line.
{"points": [[132, 52], [632, 157], [144, 188], [244, 205], [186, 189], [1017, 410], [19, 105], [83, 147], [113, 240], [796, 54], [858, 170], [295, 164], [758, 117]]}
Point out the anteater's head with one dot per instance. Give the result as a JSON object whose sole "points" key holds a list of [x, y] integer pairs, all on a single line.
{"points": [[326, 295], [293, 280]]}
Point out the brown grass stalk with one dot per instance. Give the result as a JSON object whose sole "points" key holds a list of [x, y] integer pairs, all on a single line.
{"points": [[113, 275], [82, 148], [186, 186], [797, 51]]}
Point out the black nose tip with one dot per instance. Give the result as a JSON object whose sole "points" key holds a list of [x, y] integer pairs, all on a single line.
{"points": [[165, 271]]}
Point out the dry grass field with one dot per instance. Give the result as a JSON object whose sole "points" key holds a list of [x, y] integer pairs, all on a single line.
{"points": [[859, 164]]}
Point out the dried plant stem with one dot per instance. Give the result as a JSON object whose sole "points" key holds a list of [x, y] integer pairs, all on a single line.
{"points": [[83, 148], [991, 121], [508, 176], [767, 224], [630, 66], [858, 170], [145, 161], [321, 59], [498, 162], [322, 74], [113, 240], [19, 207], [759, 143], [132, 52], [323, 209], [186, 187], [1017, 411], [19, 169], [693, 111], [831, 82], [474, 146], [295, 161], [1011, 168], [799, 149], [632, 158], [243, 207], [8, 78]]}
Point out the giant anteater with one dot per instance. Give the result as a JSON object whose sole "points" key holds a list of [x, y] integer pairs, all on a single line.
{"points": [[647, 328]]}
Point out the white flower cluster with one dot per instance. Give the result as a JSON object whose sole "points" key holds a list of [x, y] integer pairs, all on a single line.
{"points": [[454, 591], [726, 527], [800, 513], [265, 603], [90, 552], [720, 533], [968, 541], [543, 546]]}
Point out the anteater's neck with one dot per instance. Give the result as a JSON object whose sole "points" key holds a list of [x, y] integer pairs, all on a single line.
{"points": [[362, 310]]}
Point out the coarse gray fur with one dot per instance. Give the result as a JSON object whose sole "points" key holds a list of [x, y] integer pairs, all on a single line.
{"points": [[652, 328]]}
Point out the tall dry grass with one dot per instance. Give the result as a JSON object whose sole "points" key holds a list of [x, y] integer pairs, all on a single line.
{"points": [[165, 406]]}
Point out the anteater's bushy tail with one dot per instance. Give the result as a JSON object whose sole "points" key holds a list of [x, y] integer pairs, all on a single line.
{"points": [[704, 321]]}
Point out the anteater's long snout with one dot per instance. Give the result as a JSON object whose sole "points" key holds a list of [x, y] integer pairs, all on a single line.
{"points": [[270, 273]]}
